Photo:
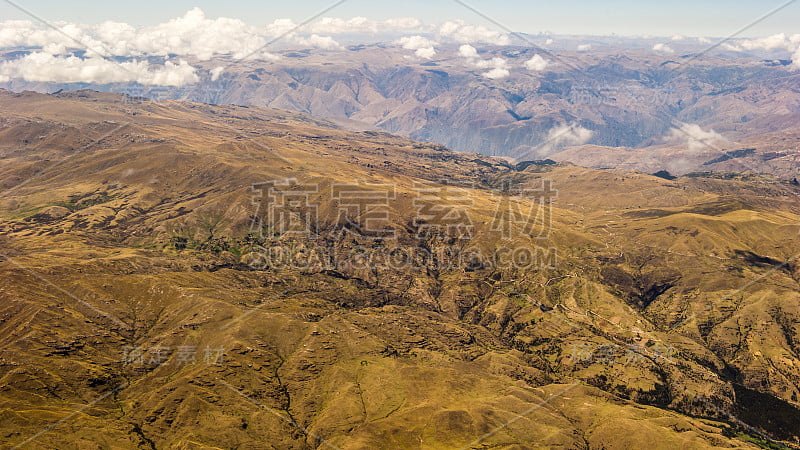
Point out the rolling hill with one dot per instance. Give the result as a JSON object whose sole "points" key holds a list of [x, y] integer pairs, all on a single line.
{"points": [[183, 275]]}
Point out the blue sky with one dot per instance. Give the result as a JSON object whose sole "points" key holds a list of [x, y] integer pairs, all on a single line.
{"points": [[623, 17]]}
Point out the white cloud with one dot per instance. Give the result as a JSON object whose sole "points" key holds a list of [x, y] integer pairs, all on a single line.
{"points": [[189, 35], [192, 34], [695, 137], [280, 26], [425, 53], [195, 35], [284, 29], [317, 41], [497, 73], [43, 67], [536, 64], [424, 47], [562, 136], [14, 33], [415, 42], [498, 66], [569, 134], [548, 42], [292, 33], [467, 51], [731, 47], [261, 54], [584, 47], [332, 25], [678, 37], [466, 34], [704, 40], [23, 33], [216, 72], [401, 23], [663, 48], [776, 42]]}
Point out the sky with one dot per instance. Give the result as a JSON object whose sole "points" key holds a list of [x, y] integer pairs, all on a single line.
{"points": [[622, 17]]}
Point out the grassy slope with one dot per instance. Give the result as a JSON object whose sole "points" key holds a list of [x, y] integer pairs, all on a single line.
{"points": [[369, 359]]}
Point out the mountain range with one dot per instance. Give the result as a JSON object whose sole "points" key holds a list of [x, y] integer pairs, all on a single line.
{"points": [[610, 107], [186, 275]]}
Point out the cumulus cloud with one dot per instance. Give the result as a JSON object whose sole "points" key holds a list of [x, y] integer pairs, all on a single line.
{"points": [[192, 34], [280, 27], [424, 47], [332, 25], [497, 73], [425, 53], [317, 41], [44, 67], [678, 37], [216, 72], [536, 64], [56, 40], [189, 35], [467, 51], [695, 138], [563, 136], [697, 143], [498, 66], [731, 47], [548, 42], [704, 40], [584, 47], [195, 35], [401, 24], [569, 135], [663, 48], [287, 30], [463, 33], [775, 42]]}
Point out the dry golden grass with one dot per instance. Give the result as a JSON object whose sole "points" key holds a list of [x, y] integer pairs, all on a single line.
{"points": [[372, 357]]}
